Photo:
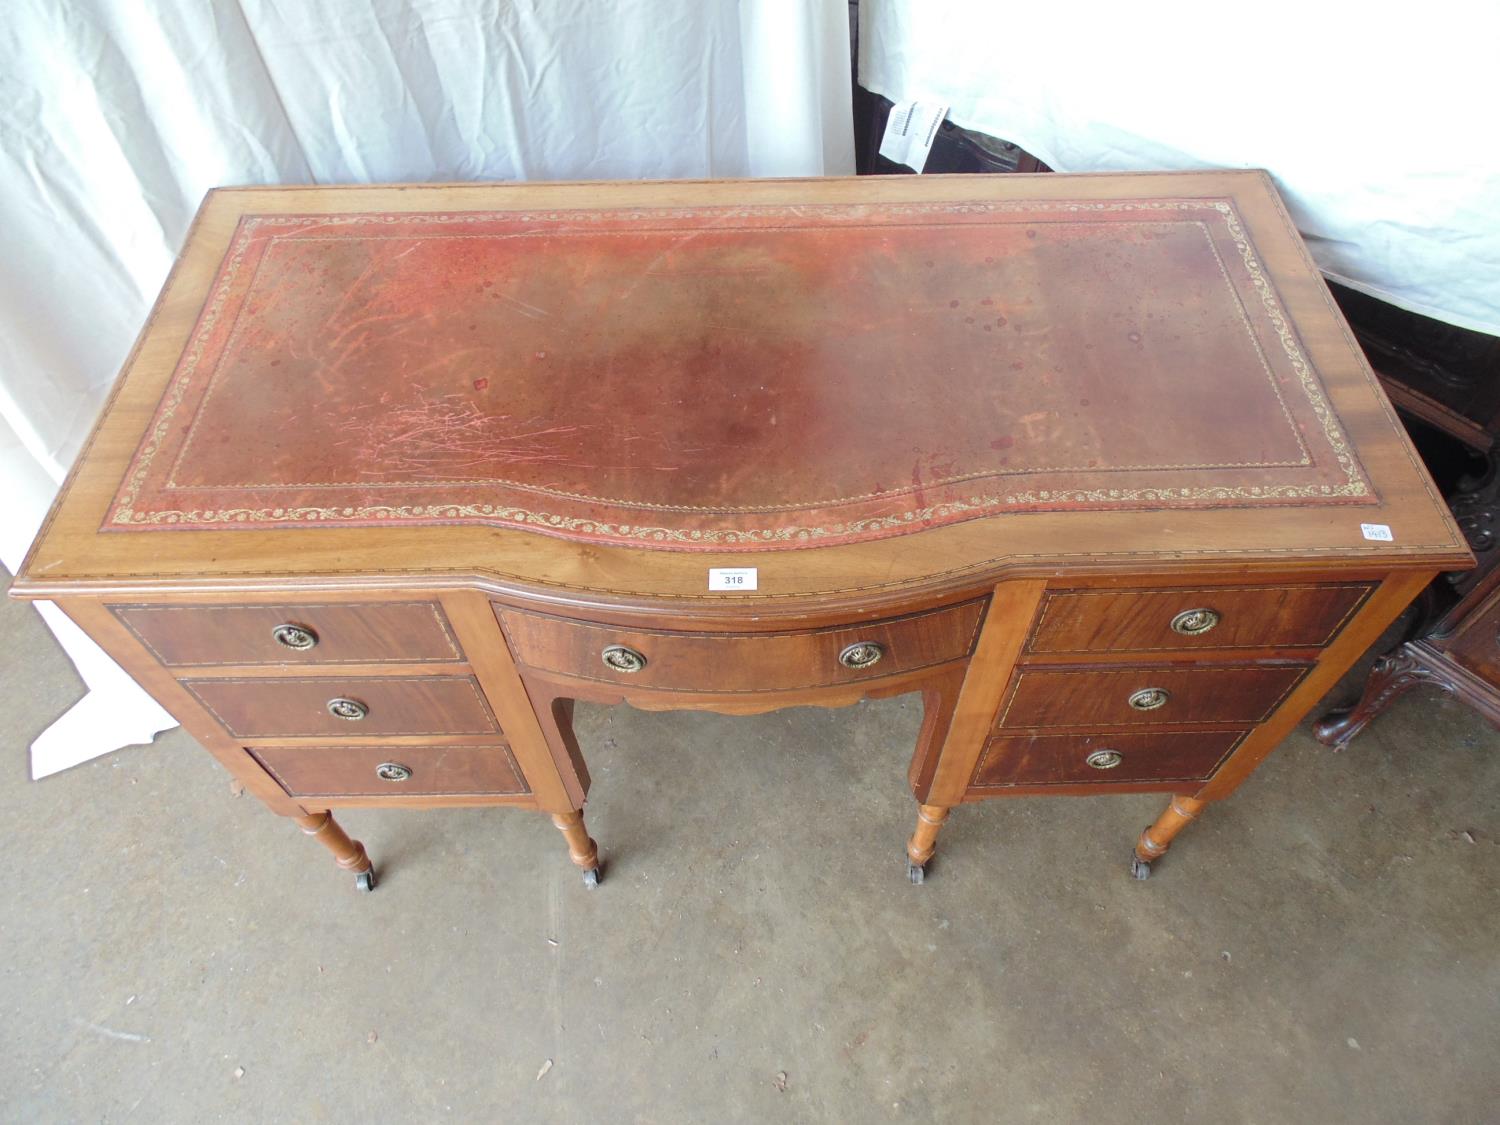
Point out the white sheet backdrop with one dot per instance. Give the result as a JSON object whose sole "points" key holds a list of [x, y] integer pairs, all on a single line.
{"points": [[1376, 119], [117, 115]]}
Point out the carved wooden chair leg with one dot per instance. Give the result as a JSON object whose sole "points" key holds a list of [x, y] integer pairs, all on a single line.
{"points": [[581, 849], [1393, 676], [349, 854], [1158, 837], [923, 841]]}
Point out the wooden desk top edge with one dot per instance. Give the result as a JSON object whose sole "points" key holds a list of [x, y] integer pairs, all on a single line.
{"points": [[71, 555]]}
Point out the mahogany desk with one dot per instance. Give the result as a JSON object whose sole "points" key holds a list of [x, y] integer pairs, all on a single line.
{"points": [[396, 474]]}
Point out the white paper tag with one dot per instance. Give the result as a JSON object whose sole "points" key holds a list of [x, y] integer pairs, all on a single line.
{"points": [[910, 131], [733, 577], [1377, 531]]}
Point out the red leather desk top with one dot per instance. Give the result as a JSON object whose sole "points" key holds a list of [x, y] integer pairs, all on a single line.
{"points": [[737, 376]]}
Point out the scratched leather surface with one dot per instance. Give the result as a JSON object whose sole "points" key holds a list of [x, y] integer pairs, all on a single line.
{"points": [[737, 377]]}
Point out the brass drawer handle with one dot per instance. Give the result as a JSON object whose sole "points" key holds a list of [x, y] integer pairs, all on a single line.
{"points": [[393, 771], [351, 709], [1195, 622], [1149, 698], [1105, 759], [861, 654], [291, 635], [622, 659]]}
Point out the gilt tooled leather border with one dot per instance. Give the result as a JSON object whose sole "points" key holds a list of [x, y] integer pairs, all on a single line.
{"points": [[132, 510]]}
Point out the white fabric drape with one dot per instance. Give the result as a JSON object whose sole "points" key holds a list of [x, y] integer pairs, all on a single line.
{"points": [[1377, 120], [117, 115]]}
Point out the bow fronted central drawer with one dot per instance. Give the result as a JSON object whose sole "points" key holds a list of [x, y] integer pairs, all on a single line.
{"points": [[735, 662]]}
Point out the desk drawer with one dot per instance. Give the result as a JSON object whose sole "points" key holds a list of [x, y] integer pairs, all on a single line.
{"points": [[374, 706], [1147, 695], [314, 633], [1113, 758], [392, 771], [733, 662], [1208, 617]]}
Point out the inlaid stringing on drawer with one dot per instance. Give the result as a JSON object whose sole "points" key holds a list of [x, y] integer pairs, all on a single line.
{"points": [[1192, 618], [293, 633], [392, 772], [734, 662], [1133, 695], [1101, 757], [328, 706]]}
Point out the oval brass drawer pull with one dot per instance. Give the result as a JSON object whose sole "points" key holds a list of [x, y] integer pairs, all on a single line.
{"points": [[1149, 699], [351, 709], [1195, 622], [291, 635], [861, 654], [622, 659], [1105, 759], [393, 771]]}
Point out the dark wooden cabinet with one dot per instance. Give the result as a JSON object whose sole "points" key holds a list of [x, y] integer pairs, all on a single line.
{"points": [[1446, 382], [395, 475], [1446, 376]]}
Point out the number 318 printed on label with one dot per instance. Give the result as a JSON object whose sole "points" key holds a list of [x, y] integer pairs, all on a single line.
{"points": [[733, 577]]}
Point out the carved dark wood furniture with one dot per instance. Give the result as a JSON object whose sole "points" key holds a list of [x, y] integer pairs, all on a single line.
{"points": [[395, 475], [1446, 378], [1440, 373]]}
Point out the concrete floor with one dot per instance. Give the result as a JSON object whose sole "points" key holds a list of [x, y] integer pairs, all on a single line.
{"points": [[1323, 947]]}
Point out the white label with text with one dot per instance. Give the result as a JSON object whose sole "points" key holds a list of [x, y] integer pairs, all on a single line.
{"points": [[733, 577], [1377, 531], [909, 132]]}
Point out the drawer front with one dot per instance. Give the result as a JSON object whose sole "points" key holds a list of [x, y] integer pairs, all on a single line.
{"points": [[732, 662], [392, 771], [369, 633], [1208, 617], [1085, 697], [1120, 757], [392, 705]]}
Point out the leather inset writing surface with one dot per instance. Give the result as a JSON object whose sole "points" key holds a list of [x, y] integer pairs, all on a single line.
{"points": [[737, 376]]}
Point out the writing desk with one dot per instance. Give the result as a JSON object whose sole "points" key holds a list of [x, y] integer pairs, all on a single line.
{"points": [[396, 474]]}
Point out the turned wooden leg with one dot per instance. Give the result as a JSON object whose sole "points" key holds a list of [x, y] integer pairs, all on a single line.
{"points": [[1392, 677], [581, 850], [923, 841], [349, 854], [1156, 839]]}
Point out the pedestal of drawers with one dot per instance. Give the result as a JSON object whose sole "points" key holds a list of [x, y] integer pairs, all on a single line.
{"points": [[1030, 687]]}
